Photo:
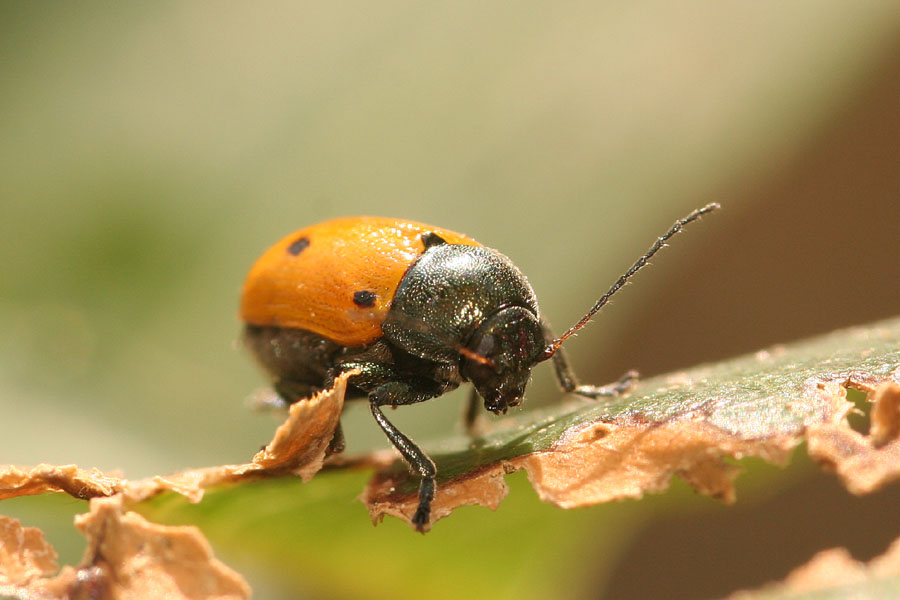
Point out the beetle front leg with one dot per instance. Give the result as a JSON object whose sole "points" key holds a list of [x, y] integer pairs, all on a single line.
{"points": [[569, 382], [416, 458], [396, 393], [386, 387]]}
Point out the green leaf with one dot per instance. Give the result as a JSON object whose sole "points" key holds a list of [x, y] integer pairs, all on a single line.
{"points": [[584, 452]]}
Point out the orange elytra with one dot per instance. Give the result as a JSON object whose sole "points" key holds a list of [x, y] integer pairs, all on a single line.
{"points": [[336, 278]]}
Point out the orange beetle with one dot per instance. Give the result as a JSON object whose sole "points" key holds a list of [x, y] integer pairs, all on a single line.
{"points": [[415, 310]]}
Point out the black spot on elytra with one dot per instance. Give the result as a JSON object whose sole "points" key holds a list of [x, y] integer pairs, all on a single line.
{"points": [[298, 246], [430, 238], [364, 298]]}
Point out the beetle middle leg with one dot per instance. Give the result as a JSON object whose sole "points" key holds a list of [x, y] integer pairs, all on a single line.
{"points": [[569, 382], [471, 411]]}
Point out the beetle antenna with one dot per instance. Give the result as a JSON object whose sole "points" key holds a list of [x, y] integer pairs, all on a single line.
{"points": [[553, 346]]}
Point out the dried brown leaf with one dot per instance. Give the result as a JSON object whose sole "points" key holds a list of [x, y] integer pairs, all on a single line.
{"points": [[18, 481], [628, 455], [130, 557], [140, 559], [24, 554], [484, 488], [127, 557], [298, 447], [612, 461], [28, 564], [601, 461], [596, 463]]}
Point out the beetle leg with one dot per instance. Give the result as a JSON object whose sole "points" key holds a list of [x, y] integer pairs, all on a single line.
{"points": [[471, 412], [337, 443], [417, 459], [386, 387], [569, 382], [395, 393], [621, 386]]}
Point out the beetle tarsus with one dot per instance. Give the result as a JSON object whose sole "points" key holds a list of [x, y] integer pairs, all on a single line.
{"points": [[423, 511], [622, 386]]}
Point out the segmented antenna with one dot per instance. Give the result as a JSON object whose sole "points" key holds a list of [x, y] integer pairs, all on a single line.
{"points": [[553, 346]]}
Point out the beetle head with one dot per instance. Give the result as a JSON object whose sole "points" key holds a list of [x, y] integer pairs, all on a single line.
{"points": [[499, 357]]}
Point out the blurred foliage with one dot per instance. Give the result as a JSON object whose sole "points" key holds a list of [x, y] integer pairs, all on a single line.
{"points": [[876, 588], [151, 151]]}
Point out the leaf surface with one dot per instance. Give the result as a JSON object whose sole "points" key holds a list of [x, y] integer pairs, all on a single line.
{"points": [[688, 423]]}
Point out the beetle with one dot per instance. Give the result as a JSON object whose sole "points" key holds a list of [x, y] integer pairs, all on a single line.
{"points": [[415, 310]]}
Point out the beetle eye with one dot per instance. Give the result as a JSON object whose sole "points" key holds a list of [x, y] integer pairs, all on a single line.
{"points": [[486, 345]]}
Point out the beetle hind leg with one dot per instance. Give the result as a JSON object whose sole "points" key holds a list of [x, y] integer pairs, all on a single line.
{"points": [[338, 442]]}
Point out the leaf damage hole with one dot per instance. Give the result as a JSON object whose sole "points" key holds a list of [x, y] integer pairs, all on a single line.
{"points": [[859, 416], [863, 462]]}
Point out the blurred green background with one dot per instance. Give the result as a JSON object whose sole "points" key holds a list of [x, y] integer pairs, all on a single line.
{"points": [[150, 152]]}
